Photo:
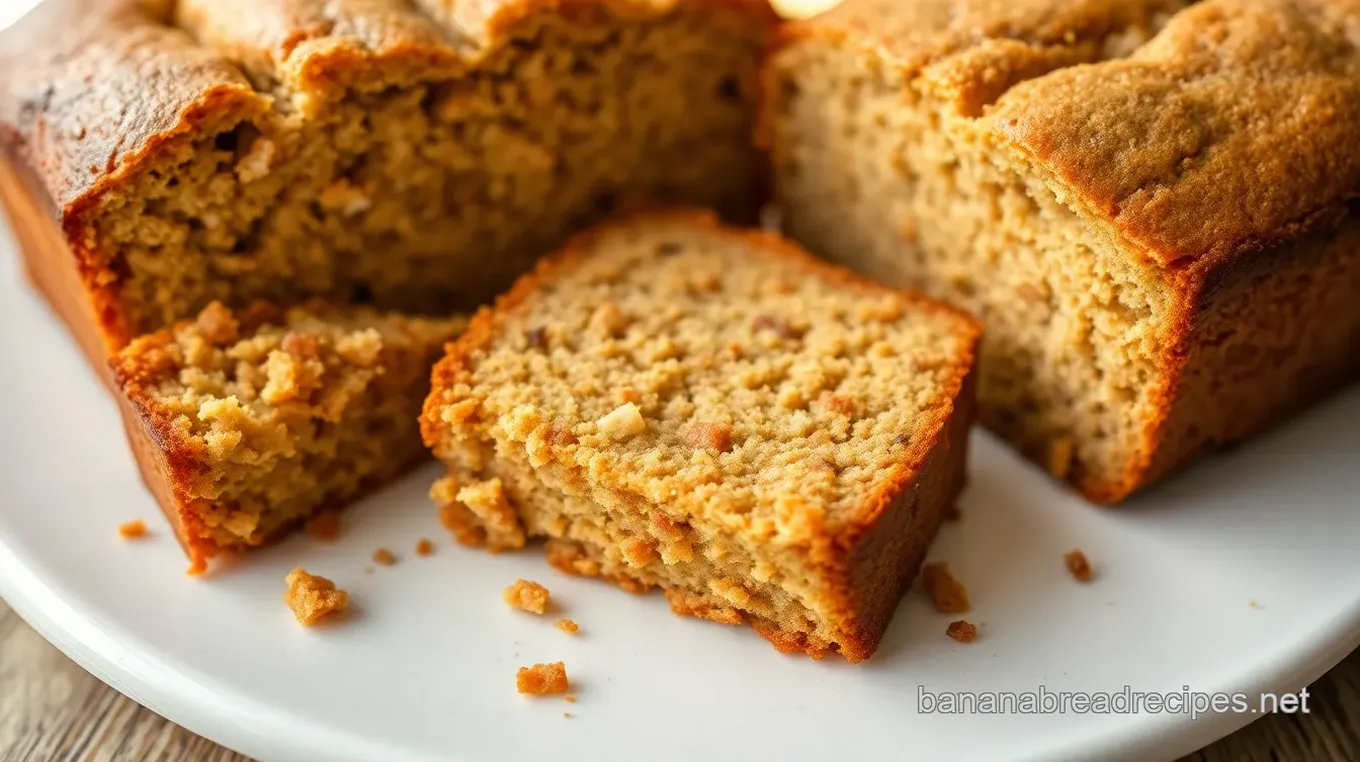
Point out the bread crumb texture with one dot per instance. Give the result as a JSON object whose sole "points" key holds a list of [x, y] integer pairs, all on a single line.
{"points": [[542, 679], [947, 594], [418, 156], [527, 596], [568, 626], [265, 418], [1078, 566], [710, 411], [384, 557], [132, 530], [424, 547], [962, 631], [312, 597]]}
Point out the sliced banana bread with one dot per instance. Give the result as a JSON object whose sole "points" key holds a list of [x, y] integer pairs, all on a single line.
{"points": [[247, 423], [1152, 204], [412, 155], [767, 438]]}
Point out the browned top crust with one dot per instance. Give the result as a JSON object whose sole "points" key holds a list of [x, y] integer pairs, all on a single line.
{"points": [[89, 89], [1235, 128], [917, 33]]}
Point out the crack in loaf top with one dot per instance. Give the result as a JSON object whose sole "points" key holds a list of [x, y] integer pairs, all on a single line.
{"points": [[90, 88], [1235, 127]]}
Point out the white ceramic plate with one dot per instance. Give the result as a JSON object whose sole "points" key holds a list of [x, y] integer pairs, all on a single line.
{"points": [[425, 668]]}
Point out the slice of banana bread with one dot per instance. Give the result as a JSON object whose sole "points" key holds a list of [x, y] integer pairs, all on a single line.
{"points": [[1154, 205], [247, 423], [708, 410], [415, 156]]}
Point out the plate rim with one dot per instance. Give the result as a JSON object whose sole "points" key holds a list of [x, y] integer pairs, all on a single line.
{"points": [[122, 661]]}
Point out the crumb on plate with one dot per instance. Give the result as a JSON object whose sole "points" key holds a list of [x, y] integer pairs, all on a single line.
{"points": [[312, 597], [527, 595], [567, 625], [542, 679], [424, 547], [962, 631], [131, 530], [948, 594], [1078, 566], [384, 556], [324, 526]]}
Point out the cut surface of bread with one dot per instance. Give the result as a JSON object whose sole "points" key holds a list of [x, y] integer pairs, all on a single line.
{"points": [[415, 156], [709, 410], [249, 422], [1152, 204]]}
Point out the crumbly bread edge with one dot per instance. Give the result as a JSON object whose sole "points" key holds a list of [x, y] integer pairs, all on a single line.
{"points": [[938, 456]]}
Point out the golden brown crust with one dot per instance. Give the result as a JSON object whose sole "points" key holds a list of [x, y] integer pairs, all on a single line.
{"points": [[1253, 140], [91, 91], [485, 23], [914, 34]]}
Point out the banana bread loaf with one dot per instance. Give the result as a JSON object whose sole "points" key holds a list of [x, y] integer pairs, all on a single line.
{"points": [[767, 438], [412, 155], [1152, 204], [247, 423]]}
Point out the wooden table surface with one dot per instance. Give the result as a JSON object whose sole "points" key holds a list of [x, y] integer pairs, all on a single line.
{"points": [[51, 709]]}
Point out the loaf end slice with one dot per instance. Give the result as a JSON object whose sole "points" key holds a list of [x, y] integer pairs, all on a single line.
{"points": [[707, 410], [246, 423], [1157, 282]]}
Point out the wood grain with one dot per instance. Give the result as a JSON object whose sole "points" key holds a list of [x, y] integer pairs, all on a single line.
{"points": [[51, 709]]}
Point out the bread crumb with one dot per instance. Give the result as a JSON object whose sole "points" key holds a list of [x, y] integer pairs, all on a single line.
{"points": [[566, 625], [570, 699], [1078, 566], [312, 597], [256, 161], [625, 421], [1060, 458], [324, 526], [132, 530], [384, 556], [948, 594], [1254, 604], [542, 679], [424, 547], [526, 595], [964, 632], [567, 715]]}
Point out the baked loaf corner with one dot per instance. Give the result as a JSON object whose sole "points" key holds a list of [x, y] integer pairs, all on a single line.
{"points": [[415, 156], [1152, 204], [246, 423], [673, 403]]}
